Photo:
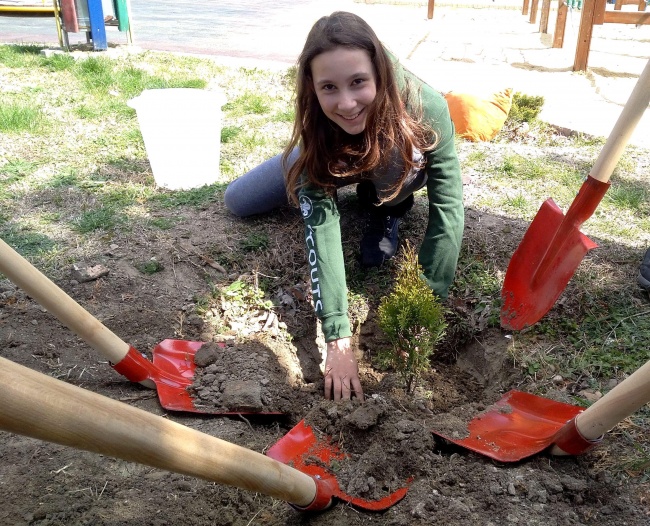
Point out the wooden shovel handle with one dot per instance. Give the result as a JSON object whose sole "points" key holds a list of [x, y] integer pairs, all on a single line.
{"points": [[22, 273], [626, 398], [623, 129], [36, 405]]}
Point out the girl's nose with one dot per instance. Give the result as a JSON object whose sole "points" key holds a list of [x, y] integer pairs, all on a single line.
{"points": [[346, 101]]}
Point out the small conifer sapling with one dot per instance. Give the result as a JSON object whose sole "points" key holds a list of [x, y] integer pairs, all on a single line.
{"points": [[412, 318]]}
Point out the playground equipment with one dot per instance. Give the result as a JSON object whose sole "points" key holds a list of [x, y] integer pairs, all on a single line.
{"points": [[75, 16], [88, 16], [594, 12]]}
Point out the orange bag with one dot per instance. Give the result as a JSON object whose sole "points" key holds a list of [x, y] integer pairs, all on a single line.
{"points": [[479, 118]]}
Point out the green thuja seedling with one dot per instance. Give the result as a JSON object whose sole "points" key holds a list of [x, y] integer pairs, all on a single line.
{"points": [[525, 108], [413, 319]]}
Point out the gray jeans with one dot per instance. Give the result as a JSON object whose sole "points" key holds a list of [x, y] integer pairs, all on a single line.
{"points": [[262, 189]]}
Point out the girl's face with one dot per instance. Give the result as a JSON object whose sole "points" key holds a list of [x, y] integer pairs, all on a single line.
{"points": [[345, 84]]}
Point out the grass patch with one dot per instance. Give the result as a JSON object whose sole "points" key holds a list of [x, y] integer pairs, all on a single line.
{"points": [[150, 267], [104, 218], [16, 169], [254, 241], [248, 103], [17, 117], [196, 197], [26, 242]]}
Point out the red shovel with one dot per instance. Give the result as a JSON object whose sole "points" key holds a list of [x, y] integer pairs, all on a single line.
{"points": [[520, 424], [553, 245], [173, 367]]}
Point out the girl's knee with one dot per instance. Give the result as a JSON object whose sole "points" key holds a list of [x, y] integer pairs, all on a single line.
{"points": [[232, 198]]}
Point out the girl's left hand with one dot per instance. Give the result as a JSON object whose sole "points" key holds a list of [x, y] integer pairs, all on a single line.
{"points": [[341, 371]]}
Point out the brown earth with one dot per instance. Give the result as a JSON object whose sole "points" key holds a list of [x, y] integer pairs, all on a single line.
{"points": [[388, 439]]}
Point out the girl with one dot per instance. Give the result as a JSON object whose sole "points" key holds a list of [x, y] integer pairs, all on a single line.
{"points": [[360, 119]]}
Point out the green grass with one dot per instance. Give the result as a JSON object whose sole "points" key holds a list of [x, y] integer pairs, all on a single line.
{"points": [[17, 117], [230, 133], [104, 218], [16, 169], [197, 197], [26, 242], [150, 267], [18, 56], [625, 195], [254, 241], [248, 103]]}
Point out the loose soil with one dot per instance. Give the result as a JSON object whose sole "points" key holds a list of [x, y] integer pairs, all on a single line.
{"points": [[388, 438]]}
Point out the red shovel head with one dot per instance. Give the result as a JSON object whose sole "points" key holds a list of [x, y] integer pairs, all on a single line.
{"points": [[172, 370], [301, 449], [547, 257], [527, 296], [517, 426]]}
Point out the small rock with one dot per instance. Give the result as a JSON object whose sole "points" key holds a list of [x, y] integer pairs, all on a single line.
{"points": [[419, 511], [49, 53], [590, 395], [496, 489], [84, 274]]}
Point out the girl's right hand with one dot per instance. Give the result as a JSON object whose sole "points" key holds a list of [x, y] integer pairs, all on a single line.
{"points": [[341, 371]]}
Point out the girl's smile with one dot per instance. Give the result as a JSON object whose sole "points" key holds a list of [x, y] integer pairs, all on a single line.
{"points": [[344, 82]]}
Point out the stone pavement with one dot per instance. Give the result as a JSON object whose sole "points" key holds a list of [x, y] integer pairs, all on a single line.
{"points": [[470, 45]]}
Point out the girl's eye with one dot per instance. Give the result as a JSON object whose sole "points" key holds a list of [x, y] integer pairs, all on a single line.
{"points": [[328, 87], [356, 82]]}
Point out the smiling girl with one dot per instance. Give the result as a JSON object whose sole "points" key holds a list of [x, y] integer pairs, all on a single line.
{"points": [[361, 119]]}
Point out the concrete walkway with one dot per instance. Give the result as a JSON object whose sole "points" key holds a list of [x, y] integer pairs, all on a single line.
{"points": [[470, 45]]}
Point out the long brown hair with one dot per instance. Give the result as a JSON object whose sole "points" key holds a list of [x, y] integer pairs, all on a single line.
{"points": [[394, 119]]}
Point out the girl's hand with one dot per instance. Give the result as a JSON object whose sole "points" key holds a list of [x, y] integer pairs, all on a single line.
{"points": [[341, 371]]}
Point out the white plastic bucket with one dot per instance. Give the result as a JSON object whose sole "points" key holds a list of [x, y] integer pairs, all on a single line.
{"points": [[181, 128]]}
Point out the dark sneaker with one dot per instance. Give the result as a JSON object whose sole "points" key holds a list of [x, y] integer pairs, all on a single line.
{"points": [[644, 272], [379, 241]]}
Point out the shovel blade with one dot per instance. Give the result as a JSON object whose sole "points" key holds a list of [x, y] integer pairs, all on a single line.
{"points": [[176, 359], [301, 449], [527, 294], [174, 366], [517, 426]]}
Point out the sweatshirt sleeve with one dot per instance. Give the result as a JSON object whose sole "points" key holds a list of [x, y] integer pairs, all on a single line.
{"points": [[326, 264], [440, 247]]}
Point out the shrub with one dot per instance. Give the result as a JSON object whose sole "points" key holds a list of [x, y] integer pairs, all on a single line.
{"points": [[525, 108], [413, 319]]}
